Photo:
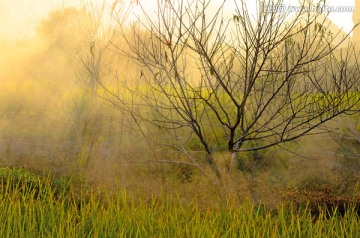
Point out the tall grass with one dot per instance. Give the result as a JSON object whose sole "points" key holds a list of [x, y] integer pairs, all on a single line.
{"points": [[33, 206]]}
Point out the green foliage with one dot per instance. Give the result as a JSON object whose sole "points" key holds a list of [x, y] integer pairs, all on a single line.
{"points": [[260, 161], [185, 173]]}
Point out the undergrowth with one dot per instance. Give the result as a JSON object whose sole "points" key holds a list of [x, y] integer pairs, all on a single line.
{"points": [[41, 206]]}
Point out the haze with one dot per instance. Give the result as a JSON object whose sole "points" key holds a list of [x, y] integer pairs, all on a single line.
{"points": [[18, 18], [177, 106]]}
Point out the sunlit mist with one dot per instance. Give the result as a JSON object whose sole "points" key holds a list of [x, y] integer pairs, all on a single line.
{"points": [[19, 18], [195, 101]]}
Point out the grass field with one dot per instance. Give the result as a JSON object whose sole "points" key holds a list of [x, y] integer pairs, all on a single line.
{"points": [[38, 206]]}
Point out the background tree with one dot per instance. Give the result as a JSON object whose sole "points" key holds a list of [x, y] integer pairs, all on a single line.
{"points": [[45, 111]]}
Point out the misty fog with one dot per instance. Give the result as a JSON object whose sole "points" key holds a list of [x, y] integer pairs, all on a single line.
{"points": [[55, 117]]}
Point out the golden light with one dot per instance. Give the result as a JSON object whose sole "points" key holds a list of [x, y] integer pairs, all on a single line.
{"points": [[18, 18]]}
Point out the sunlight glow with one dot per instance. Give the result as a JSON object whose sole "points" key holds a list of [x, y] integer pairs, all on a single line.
{"points": [[18, 18]]}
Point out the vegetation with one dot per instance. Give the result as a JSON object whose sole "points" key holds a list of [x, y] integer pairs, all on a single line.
{"points": [[128, 135], [243, 83], [34, 206]]}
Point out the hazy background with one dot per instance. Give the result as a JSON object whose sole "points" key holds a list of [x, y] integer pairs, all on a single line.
{"points": [[18, 18], [50, 119]]}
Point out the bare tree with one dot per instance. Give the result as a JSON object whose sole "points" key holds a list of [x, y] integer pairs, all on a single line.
{"points": [[240, 82]]}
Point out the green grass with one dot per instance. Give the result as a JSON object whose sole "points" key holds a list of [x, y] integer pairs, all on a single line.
{"points": [[35, 206]]}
